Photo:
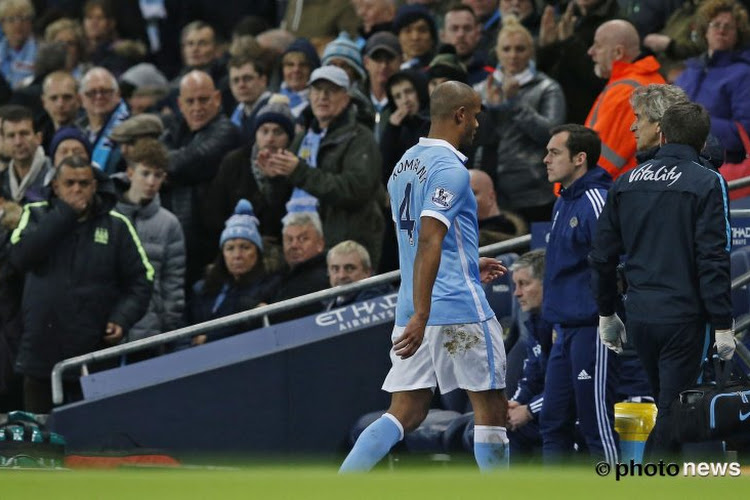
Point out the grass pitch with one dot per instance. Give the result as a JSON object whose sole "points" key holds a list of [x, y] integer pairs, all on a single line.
{"points": [[313, 481]]}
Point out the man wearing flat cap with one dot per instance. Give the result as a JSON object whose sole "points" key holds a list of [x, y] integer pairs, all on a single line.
{"points": [[334, 165], [138, 127], [382, 59]]}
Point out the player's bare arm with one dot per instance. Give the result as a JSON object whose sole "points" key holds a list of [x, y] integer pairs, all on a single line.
{"points": [[426, 266]]}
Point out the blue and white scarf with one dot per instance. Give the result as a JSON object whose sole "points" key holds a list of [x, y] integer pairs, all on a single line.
{"points": [[103, 145], [301, 200]]}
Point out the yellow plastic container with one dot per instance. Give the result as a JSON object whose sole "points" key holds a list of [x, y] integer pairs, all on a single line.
{"points": [[633, 422]]}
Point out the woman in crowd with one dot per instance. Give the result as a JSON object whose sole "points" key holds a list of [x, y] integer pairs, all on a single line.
{"points": [[69, 32], [297, 64], [237, 280], [524, 104], [719, 79]]}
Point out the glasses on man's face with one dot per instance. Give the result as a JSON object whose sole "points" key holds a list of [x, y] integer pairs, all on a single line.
{"points": [[715, 25], [16, 19], [91, 93]]}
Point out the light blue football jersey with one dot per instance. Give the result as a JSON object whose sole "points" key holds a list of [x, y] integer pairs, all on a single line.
{"points": [[431, 180]]}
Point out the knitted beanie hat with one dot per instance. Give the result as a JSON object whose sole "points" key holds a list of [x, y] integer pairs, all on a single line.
{"points": [[344, 48], [242, 225], [276, 111], [68, 132], [304, 46]]}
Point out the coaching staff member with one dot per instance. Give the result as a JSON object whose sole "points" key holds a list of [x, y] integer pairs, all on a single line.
{"points": [[87, 276], [669, 216]]}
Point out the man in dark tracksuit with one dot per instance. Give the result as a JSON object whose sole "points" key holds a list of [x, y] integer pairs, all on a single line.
{"points": [[581, 382], [87, 279], [526, 405], [670, 217], [530, 392]]}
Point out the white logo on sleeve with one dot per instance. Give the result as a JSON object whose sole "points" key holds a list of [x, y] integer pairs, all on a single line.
{"points": [[443, 198], [584, 376]]}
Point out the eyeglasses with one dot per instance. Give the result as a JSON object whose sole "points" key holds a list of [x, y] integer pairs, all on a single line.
{"points": [[16, 19], [715, 25], [91, 93]]}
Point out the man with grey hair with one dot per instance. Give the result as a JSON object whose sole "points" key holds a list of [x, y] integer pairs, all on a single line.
{"points": [[674, 229], [649, 104], [349, 262], [334, 165], [304, 253], [525, 406], [105, 110]]}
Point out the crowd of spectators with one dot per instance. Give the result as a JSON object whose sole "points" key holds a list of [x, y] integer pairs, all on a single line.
{"points": [[280, 122]]}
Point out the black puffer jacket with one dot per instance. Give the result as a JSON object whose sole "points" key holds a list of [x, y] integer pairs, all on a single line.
{"points": [[79, 275], [194, 159]]}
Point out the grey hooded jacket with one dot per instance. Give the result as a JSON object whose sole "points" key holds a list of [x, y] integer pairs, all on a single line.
{"points": [[163, 241]]}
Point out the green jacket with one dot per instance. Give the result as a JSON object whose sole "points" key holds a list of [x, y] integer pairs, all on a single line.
{"points": [[346, 183]]}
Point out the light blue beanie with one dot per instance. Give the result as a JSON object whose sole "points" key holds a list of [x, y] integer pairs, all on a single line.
{"points": [[243, 225]]}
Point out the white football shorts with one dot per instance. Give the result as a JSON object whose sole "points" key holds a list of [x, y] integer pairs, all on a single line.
{"points": [[467, 356]]}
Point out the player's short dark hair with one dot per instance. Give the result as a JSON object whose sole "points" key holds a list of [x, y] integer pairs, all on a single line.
{"points": [[533, 260], [686, 123], [14, 113], [581, 140], [149, 152]]}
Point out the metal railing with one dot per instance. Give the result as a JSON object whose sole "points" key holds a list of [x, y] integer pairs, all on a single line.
{"points": [[265, 311], [738, 183], [245, 317]]}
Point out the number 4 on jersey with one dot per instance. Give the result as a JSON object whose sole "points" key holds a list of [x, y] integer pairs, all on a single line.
{"points": [[405, 220]]}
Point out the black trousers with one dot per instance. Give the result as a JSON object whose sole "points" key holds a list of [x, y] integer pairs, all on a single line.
{"points": [[671, 355]]}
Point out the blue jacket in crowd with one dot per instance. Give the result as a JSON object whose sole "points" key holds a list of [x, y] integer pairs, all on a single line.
{"points": [[721, 83], [568, 300]]}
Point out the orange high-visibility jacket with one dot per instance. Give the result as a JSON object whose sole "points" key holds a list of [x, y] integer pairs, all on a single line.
{"points": [[611, 115]]}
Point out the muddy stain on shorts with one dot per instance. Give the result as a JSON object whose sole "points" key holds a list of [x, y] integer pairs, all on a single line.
{"points": [[458, 339]]}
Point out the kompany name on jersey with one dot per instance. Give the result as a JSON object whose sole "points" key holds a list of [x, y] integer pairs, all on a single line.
{"points": [[413, 164], [443, 198]]}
